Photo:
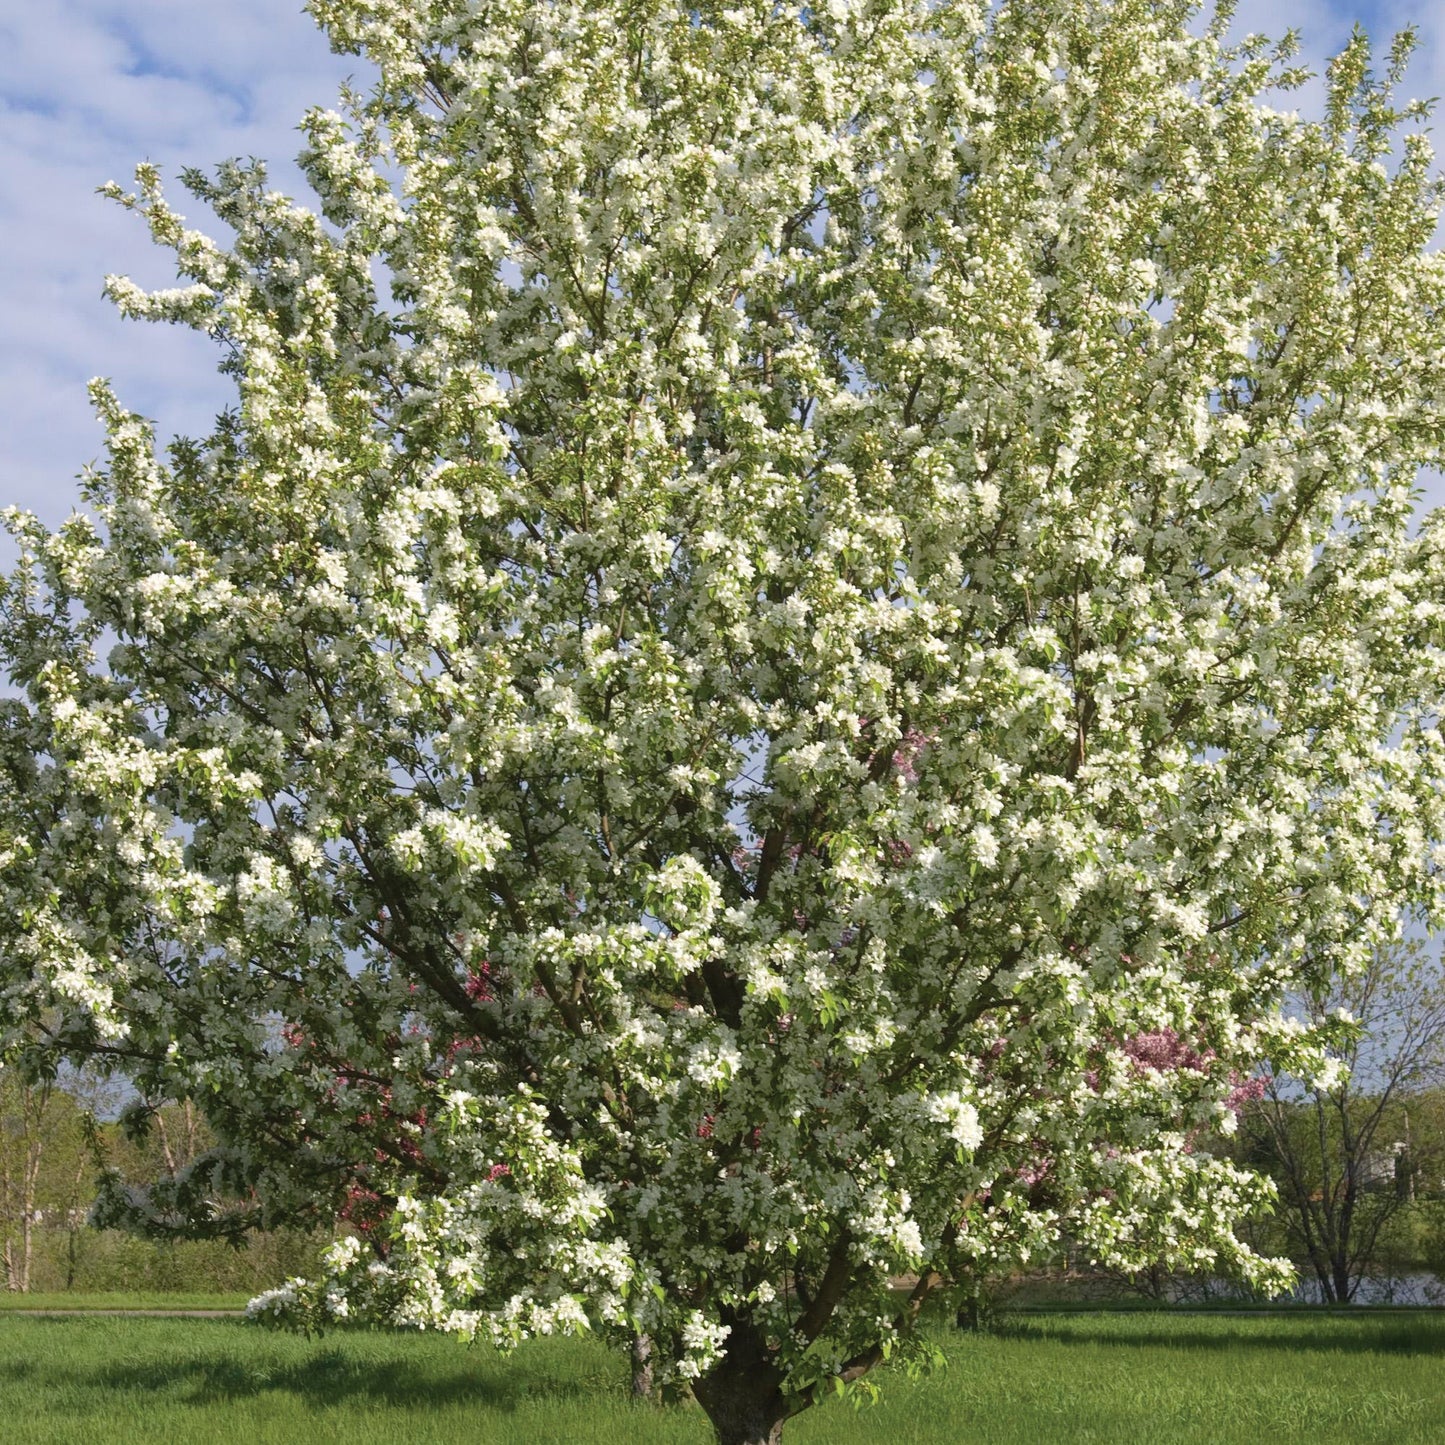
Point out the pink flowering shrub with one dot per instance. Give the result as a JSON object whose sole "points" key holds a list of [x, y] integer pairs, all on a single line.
{"points": [[1164, 1050]]}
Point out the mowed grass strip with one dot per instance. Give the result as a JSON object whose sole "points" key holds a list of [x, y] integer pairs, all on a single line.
{"points": [[1105, 1378], [122, 1300]]}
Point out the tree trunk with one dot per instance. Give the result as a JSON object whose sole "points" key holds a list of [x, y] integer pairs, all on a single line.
{"points": [[1344, 1289], [741, 1394], [70, 1258], [73, 1219], [642, 1367], [17, 1254], [40, 1098]]}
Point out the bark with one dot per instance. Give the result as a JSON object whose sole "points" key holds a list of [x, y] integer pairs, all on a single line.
{"points": [[741, 1395], [642, 1367], [17, 1264], [1344, 1285]]}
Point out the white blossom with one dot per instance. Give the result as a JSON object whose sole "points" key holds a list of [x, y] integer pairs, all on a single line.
{"points": [[804, 621]]}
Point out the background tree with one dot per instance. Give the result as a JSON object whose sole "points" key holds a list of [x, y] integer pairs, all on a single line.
{"points": [[1344, 1157], [47, 1169], [858, 569], [25, 1113]]}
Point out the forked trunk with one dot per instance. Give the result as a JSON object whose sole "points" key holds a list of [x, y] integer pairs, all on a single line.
{"points": [[741, 1394]]}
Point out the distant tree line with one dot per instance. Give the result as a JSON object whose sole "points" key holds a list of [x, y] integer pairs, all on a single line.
{"points": [[57, 1137]]}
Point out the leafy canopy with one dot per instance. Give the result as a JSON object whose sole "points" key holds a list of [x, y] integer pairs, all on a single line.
{"points": [[805, 618]]}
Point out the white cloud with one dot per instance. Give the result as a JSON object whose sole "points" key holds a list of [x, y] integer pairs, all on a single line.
{"points": [[90, 87], [87, 89]]}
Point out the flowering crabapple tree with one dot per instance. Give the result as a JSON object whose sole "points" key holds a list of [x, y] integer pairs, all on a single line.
{"points": [[804, 620]]}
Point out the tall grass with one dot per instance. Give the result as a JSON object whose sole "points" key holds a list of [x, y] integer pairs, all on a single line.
{"points": [[1104, 1378]]}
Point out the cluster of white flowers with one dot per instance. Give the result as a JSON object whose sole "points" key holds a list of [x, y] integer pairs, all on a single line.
{"points": [[786, 701], [958, 1118]]}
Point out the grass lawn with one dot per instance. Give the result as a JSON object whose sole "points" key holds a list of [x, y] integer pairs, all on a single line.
{"points": [[1104, 1378]]}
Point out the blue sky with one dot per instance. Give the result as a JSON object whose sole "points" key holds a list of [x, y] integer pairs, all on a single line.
{"points": [[90, 87]]}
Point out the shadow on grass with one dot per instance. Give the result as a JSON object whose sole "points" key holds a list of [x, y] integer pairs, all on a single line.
{"points": [[334, 1377], [329, 1377], [1330, 1335]]}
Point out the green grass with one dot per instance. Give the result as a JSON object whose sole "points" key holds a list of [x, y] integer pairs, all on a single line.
{"points": [[123, 1300], [1072, 1379]]}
